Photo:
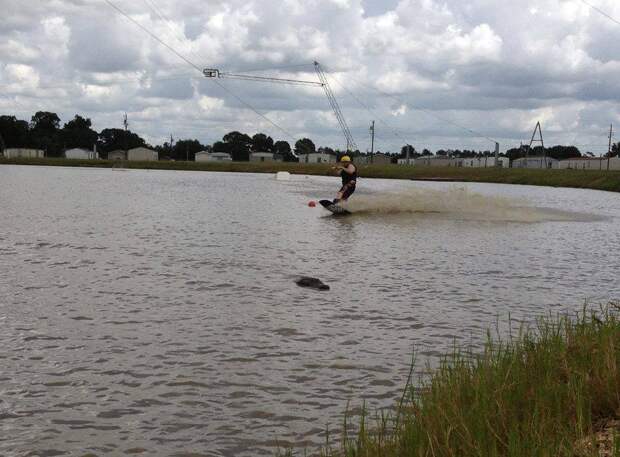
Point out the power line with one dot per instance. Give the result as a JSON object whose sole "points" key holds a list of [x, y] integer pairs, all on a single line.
{"points": [[600, 11]]}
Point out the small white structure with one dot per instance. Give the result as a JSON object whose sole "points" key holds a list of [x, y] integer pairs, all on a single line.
{"points": [[590, 163], [484, 162], [205, 156], [434, 161], [142, 154], [317, 157], [283, 176], [261, 157], [79, 153], [583, 163], [11, 153], [535, 162], [118, 154], [409, 161]]}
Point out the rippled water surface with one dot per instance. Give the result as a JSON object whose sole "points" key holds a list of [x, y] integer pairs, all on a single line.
{"points": [[156, 311]]}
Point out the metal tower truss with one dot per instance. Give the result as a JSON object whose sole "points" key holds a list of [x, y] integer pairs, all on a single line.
{"points": [[351, 146]]}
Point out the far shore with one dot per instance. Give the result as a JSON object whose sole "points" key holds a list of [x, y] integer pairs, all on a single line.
{"points": [[583, 179]]}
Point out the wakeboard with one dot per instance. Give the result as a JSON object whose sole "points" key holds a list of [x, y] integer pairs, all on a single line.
{"points": [[335, 208]]}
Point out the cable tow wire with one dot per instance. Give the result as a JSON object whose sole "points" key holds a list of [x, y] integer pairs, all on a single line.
{"points": [[430, 113], [295, 82], [600, 11], [192, 64]]}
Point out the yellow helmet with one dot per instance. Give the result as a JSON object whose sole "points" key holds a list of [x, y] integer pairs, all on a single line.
{"points": [[345, 159]]}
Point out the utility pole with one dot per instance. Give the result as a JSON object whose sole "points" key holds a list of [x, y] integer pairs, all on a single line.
{"points": [[372, 142], [611, 131], [171, 142], [126, 125]]}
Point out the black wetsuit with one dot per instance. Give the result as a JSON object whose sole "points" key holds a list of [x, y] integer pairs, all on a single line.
{"points": [[348, 183]]}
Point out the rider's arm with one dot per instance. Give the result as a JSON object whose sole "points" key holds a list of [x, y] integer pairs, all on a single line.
{"points": [[349, 169]]}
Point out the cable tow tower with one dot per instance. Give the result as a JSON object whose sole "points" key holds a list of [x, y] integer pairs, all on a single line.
{"points": [[351, 146]]}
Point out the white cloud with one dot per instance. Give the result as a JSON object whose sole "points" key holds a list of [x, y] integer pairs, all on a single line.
{"points": [[494, 67]]}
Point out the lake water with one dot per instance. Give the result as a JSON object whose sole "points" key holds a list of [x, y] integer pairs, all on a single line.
{"points": [[156, 311]]}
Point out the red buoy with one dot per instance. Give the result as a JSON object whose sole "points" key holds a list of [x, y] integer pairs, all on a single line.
{"points": [[311, 204]]}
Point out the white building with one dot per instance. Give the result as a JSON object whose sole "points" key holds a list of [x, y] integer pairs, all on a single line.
{"points": [[434, 161], [317, 157], [118, 154], [484, 162], [409, 161], [535, 162], [590, 163], [79, 153], [261, 157], [142, 154], [11, 153], [205, 156], [583, 163]]}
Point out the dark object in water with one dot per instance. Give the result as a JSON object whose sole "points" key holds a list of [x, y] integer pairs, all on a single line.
{"points": [[313, 283]]}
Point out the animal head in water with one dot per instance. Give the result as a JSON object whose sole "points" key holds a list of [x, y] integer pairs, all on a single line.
{"points": [[313, 283]]}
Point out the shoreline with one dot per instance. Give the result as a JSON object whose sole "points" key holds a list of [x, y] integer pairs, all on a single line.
{"points": [[579, 179], [550, 390]]}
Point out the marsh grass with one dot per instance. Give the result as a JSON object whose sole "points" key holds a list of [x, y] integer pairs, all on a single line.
{"points": [[544, 392], [587, 179]]}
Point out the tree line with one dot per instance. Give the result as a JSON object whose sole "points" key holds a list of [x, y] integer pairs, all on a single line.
{"points": [[44, 132]]}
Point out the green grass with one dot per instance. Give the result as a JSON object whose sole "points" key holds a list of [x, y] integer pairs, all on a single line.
{"points": [[542, 393], [587, 179]]}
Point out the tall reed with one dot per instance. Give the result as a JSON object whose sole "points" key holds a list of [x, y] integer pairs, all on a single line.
{"points": [[540, 393]]}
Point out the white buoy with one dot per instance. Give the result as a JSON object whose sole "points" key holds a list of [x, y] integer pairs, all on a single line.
{"points": [[283, 176]]}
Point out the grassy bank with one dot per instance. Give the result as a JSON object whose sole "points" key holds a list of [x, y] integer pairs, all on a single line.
{"points": [[586, 179], [551, 391]]}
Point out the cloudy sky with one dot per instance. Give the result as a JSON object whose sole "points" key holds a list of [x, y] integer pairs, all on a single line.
{"points": [[432, 73]]}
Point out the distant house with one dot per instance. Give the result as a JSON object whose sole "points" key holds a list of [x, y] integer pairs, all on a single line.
{"points": [[434, 161], [484, 162], [119, 154], [261, 157], [409, 161], [375, 159], [583, 163], [142, 154], [205, 156], [11, 153], [79, 153], [317, 157], [535, 162]]}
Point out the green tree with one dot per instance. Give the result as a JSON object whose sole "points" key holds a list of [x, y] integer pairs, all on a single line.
{"points": [[220, 146], [412, 152], [113, 139], [45, 133], [262, 143], [14, 132], [304, 146], [563, 152], [283, 148], [186, 149], [77, 133], [239, 144]]}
